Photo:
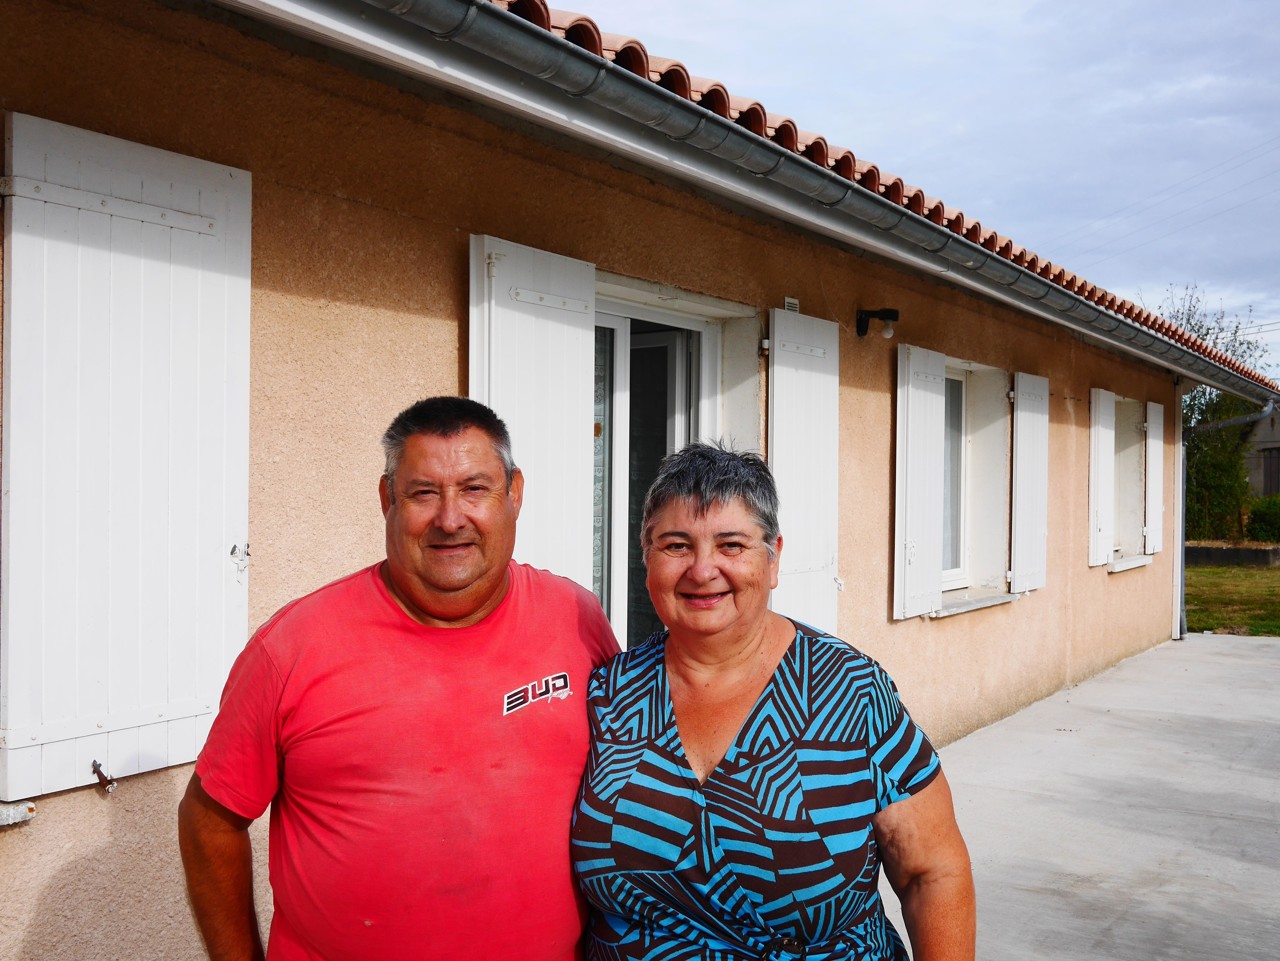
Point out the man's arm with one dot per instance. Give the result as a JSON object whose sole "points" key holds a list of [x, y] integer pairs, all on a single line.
{"points": [[218, 860], [927, 863]]}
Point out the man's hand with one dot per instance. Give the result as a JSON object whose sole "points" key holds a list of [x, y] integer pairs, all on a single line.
{"points": [[218, 860]]}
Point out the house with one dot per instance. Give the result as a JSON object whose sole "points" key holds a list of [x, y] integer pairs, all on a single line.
{"points": [[1262, 456], [240, 236]]}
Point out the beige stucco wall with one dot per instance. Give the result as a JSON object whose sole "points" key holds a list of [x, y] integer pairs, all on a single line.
{"points": [[363, 200]]}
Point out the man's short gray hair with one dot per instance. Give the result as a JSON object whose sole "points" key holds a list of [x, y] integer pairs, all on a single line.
{"points": [[445, 417], [707, 474]]}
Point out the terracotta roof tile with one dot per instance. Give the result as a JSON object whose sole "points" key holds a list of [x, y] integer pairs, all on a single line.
{"points": [[578, 30], [750, 114], [711, 95], [843, 163], [671, 75], [535, 11], [630, 54], [627, 53]]}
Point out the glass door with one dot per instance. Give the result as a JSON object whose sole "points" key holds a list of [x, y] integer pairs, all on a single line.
{"points": [[646, 403]]}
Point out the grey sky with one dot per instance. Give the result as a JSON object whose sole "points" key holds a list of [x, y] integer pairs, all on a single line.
{"points": [[1134, 142]]}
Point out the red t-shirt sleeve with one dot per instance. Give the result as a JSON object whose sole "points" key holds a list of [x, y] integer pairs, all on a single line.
{"points": [[239, 766], [596, 629]]}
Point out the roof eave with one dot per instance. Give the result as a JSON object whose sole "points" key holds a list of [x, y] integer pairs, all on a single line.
{"points": [[480, 51]]}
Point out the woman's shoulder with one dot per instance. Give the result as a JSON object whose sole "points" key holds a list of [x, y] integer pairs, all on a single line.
{"points": [[632, 665], [826, 654]]}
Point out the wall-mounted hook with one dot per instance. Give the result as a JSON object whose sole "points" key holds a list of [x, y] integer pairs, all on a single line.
{"points": [[106, 783]]}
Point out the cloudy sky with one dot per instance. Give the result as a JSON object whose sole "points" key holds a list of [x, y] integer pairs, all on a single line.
{"points": [[1135, 142]]}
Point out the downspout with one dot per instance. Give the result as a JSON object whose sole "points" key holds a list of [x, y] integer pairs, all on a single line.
{"points": [[825, 197], [1241, 421]]}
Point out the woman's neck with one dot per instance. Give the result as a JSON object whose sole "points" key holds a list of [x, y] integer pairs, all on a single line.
{"points": [[722, 654], [715, 683]]}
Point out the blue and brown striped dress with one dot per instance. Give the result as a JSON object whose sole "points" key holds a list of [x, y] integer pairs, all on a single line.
{"points": [[773, 856]]}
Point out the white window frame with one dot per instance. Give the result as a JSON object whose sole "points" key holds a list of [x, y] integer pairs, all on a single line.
{"points": [[958, 577], [1005, 481], [617, 316], [525, 301], [1126, 481]]}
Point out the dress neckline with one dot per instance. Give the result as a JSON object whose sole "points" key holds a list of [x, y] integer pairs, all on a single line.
{"points": [[734, 747]]}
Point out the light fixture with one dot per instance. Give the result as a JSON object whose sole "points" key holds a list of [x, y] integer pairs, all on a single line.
{"points": [[886, 315]]}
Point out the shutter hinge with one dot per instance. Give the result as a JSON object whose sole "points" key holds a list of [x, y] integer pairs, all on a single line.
{"points": [[491, 264], [240, 558], [1008, 577], [764, 347], [1013, 396]]}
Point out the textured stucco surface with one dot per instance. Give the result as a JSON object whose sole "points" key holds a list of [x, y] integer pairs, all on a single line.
{"points": [[364, 197], [96, 876]]}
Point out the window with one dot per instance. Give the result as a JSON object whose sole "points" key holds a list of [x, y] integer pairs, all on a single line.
{"points": [[598, 377], [123, 589], [1126, 475], [1270, 458], [971, 493], [659, 361]]}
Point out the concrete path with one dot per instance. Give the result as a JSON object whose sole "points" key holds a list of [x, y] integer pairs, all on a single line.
{"points": [[1134, 817]]}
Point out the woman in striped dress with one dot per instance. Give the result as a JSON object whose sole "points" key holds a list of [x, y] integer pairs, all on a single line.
{"points": [[749, 775]]}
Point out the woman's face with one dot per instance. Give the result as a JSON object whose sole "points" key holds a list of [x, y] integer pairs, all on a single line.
{"points": [[711, 573]]}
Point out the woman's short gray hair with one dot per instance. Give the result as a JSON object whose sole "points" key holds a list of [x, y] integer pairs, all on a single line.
{"points": [[709, 474]]}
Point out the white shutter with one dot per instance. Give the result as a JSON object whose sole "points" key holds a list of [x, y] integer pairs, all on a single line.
{"points": [[1154, 540], [125, 460], [532, 359], [1102, 475], [804, 454], [1030, 482], [920, 438]]}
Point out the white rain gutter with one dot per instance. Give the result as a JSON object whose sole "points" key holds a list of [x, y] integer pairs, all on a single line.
{"points": [[481, 52]]}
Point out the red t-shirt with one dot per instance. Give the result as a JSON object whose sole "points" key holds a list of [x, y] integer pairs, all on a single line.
{"points": [[421, 779]]}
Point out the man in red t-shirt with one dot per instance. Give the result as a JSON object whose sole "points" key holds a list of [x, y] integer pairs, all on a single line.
{"points": [[417, 728]]}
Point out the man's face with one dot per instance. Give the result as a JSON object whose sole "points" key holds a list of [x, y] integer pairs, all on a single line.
{"points": [[451, 528]]}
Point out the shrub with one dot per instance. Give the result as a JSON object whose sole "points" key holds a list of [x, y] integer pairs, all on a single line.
{"points": [[1264, 519]]}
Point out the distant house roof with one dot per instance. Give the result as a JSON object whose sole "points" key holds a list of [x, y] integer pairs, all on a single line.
{"points": [[632, 55]]}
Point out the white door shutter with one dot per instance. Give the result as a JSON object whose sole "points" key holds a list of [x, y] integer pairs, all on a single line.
{"points": [[1154, 539], [917, 498], [1030, 482], [1102, 475], [532, 359], [804, 455], [125, 461]]}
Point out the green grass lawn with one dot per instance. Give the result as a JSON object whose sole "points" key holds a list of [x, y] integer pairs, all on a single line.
{"points": [[1234, 600]]}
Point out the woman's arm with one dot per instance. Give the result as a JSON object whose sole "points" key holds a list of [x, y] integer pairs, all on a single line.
{"points": [[927, 863]]}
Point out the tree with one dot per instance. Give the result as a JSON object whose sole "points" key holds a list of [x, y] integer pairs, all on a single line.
{"points": [[1217, 491]]}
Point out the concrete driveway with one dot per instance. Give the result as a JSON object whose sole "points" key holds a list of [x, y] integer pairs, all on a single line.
{"points": [[1134, 817]]}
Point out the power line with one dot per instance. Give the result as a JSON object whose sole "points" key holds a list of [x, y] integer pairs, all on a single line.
{"points": [[1198, 175], [1235, 188], [1187, 226]]}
